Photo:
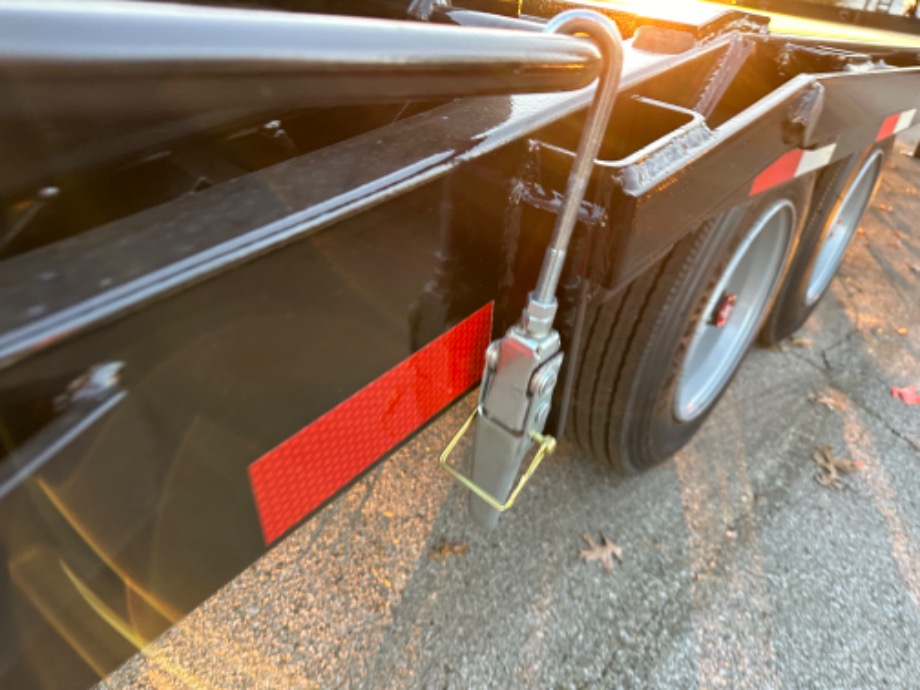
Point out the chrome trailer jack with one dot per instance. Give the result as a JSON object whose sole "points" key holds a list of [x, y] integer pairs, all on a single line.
{"points": [[522, 368]]}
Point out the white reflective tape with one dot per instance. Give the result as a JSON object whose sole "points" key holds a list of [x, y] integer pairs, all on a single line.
{"points": [[905, 120], [812, 160]]}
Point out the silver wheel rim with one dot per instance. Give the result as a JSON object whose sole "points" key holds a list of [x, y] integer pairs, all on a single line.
{"points": [[751, 276], [842, 227]]}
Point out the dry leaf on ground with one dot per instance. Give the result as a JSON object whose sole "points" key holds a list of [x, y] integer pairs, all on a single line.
{"points": [[887, 208], [795, 341], [440, 553], [852, 284], [831, 469], [909, 395], [829, 401], [604, 552]]}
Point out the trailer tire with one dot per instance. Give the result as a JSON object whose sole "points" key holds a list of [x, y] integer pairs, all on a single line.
{"points": [[630, 405], [843, 192]]}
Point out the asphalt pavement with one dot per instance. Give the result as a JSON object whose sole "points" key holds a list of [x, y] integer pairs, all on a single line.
{"points": [[739, 569]]}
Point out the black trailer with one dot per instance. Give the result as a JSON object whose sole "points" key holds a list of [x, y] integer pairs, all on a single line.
{"points": [[246, 254]]}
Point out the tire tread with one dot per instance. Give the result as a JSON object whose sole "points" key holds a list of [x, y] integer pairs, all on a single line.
{"points": [[628, 319]]}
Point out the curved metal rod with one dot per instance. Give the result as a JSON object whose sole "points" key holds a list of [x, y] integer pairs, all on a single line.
{"points": [[606, 36]]}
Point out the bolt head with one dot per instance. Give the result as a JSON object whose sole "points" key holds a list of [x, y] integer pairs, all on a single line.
{"points": [[493, 354], [548, 382], [542, 415]]}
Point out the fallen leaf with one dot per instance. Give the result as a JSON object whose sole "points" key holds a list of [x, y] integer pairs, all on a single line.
{"points": [[604, 552], [909, 395], [793, 341], [381, 579], [902, 331], [829, 401], [852, 284], [446, 549], [826, 460], [887, 208], [915, 268], [831, 469]]}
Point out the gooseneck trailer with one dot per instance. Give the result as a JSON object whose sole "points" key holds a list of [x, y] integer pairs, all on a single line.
{"points": [[246, 252]]}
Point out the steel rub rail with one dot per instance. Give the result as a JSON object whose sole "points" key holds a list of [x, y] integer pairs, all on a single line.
{"points": [[522, 368]]}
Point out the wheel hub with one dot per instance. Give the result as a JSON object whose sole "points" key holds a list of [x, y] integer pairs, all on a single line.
{"points": [[734, 311], [724, 309]]}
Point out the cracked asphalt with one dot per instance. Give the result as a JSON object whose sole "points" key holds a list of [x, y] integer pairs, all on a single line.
{"points": [[739, 570]]}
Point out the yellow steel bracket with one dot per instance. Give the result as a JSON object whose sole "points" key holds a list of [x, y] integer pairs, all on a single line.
{"points": [[546, 446]]}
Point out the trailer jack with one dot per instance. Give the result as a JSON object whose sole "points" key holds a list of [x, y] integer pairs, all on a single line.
{"points": [[522, 368]]}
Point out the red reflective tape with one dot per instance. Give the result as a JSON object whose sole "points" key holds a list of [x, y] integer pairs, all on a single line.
{"points": [[296, 477], [889, 126], [781, 170], [896, 123]]}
